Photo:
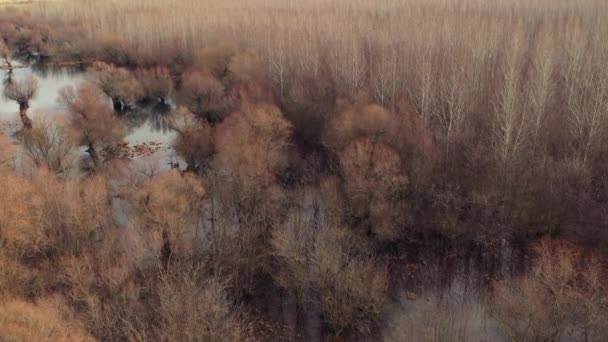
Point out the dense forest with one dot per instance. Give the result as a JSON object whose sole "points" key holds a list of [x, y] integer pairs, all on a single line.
{"points": [[391, 170]]}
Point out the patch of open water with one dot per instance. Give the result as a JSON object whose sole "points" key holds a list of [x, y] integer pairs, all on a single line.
{"points": [[148, 136]]}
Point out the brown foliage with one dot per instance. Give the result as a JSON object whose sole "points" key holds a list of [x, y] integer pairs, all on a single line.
{"points": [[247, 66], [104, 292], [487, 79], [94, 122], [369, 121], [563, 295], [244, 197], [117, 83], [194, 310], [327, 266], [215, 58], [48, 144], [47, 216], [375, 185], [22, 91], [204, 96], [156, 82], [6, 152], [238, 218], [113, 50], [46, 320], [170, 204], [195, 139], [123, 291], [5, 51], [253, 144]]}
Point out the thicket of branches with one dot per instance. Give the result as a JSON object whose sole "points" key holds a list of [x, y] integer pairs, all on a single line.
{"points": [[317, 143]]}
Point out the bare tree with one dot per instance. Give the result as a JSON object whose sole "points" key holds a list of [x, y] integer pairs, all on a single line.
{"points": [[22, 91], [118, 84], [61, 213], [371, 121], [5, 54], [385, 71], [194, 141], [562, 295], [51, 317], [170, 204], [541, 83], [253, 144], [457, 98], [586, 92], [326, 266], [195, 310], [512, 122], [215, 58], [423, 87], [156, 82], [247, 66], [203, 94], [277, 61], [49, 144], [96, 125], [374, 184]]}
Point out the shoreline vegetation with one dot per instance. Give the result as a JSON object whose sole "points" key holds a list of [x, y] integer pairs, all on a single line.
{"points": [[416, 170]]}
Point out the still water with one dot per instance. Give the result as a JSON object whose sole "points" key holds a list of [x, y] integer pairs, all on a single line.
{"points": [[148, 139]]}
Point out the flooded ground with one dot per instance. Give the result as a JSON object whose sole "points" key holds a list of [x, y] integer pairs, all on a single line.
{"points": [[431, 303], [149, 139]]}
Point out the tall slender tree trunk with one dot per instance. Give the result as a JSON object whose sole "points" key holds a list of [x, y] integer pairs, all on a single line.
{"points": [[93, 154], [119, 105], [27, 122], [9, 65]]}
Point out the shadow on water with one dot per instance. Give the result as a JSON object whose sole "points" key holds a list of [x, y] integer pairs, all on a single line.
{"points": [[148, 132], [152, 113]]}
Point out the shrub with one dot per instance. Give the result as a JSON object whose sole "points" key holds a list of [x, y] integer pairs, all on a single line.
{"points": [[253, 144], [375, 186], [95, 124], [203, 95], [22, 91], [195, 139], [49, 144], [327, 266], [330, 268], [46, 320], [49, 217], [118, 84], [7, 150], [156, 82], [5, 53], [102, 287], [370, 121], [564, 294], [245, 199], [247, 66], [192, 309], [170, 205], [215, 58]]}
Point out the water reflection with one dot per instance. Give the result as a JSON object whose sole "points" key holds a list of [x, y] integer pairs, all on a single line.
{"points": [[148, 131], [150, 112], [45, 100]]}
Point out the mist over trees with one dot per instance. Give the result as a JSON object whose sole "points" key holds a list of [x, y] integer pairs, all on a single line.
{"points": [[340, 170]]}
